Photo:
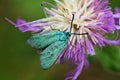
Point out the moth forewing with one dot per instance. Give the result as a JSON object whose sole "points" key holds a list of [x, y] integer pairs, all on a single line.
{"points": [[43, 40], [51, 53]]}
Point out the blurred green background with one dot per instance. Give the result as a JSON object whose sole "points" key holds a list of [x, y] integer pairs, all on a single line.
{"points": [[18, 61]]}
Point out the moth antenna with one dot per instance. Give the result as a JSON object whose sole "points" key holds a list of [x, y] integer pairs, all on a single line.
{"points": [[71, 23], [80, 34], [74, 33], [72, 26]]}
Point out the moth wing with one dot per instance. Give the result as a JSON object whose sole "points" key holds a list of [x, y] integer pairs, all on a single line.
{"points": [[43, 40], [51, 53]]}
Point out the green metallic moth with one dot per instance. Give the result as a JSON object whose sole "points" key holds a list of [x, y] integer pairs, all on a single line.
{"points": [[52, 43]]}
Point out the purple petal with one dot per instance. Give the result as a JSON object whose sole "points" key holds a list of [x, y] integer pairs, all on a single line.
{"points": [[89, 47], [27, 27], [111, 42], [76, 72], [24, 26]]}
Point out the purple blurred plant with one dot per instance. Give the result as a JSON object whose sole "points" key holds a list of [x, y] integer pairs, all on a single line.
{"points": [[90, 16]]}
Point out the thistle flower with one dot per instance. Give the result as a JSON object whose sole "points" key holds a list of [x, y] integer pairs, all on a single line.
{"points": [[90, 16]]}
